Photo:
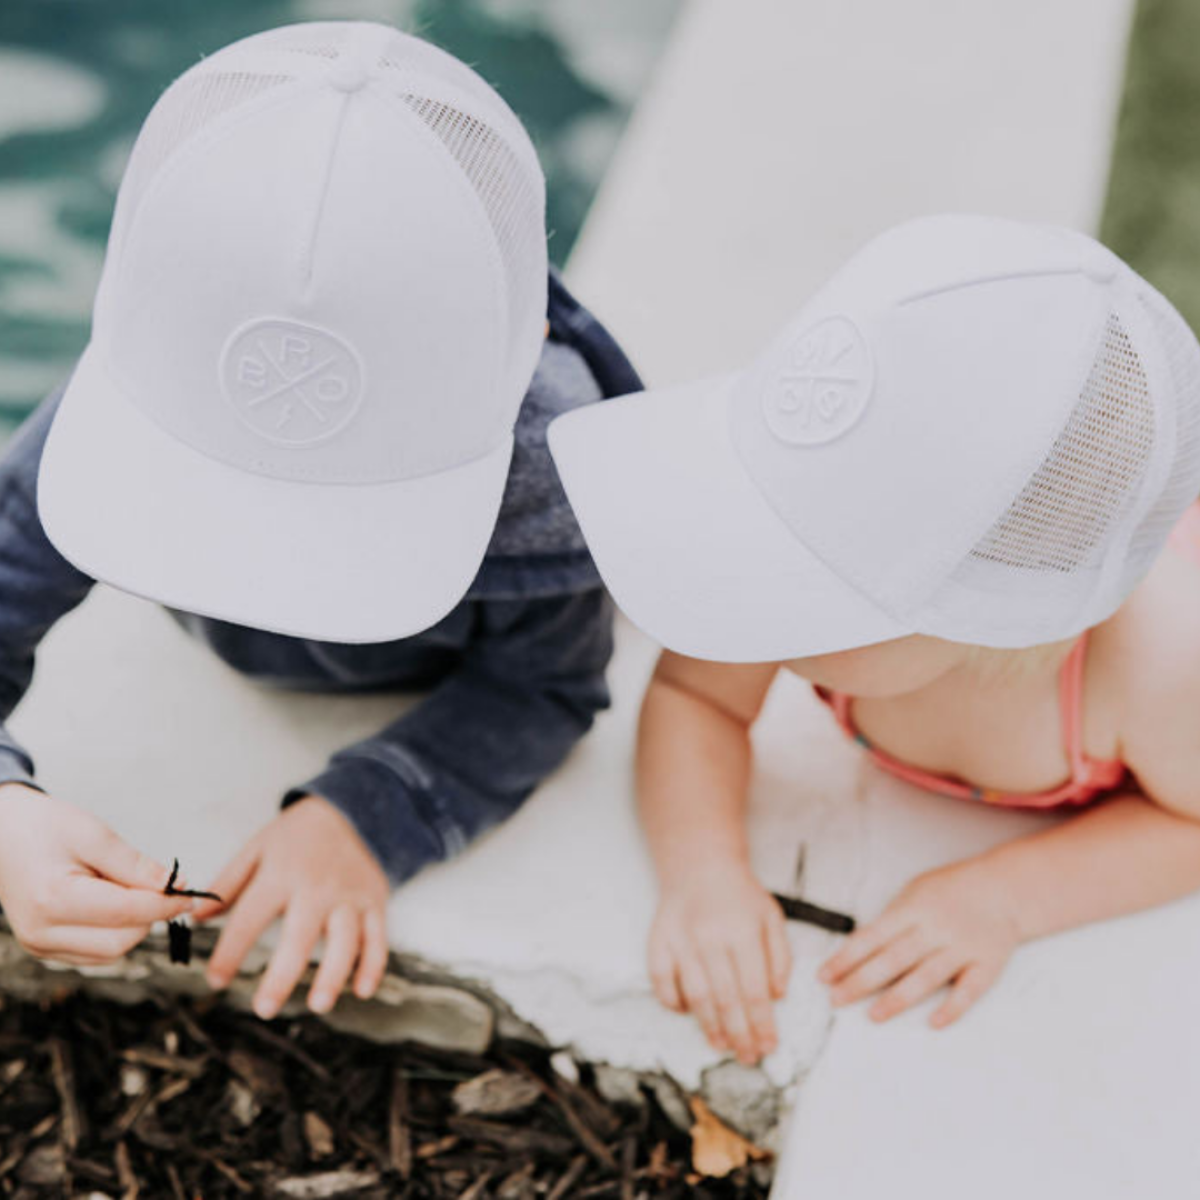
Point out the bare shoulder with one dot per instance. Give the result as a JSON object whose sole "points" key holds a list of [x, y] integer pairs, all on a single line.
{"points": [[1149, 659]]}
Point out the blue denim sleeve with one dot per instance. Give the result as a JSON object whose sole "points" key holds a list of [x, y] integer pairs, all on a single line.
{"points": [[467, 756], [37, 585]]}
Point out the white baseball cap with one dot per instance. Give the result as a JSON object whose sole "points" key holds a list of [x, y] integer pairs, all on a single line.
{"points": [[978, 429], [323, 300]]}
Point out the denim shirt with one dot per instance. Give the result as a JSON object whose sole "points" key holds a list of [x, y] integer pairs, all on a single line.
{"points": [[514, 674]]}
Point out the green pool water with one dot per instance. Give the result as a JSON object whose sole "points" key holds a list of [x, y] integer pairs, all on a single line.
{"points": [[78, 76]]}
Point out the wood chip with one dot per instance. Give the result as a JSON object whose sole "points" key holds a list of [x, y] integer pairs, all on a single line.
{"points": [[130, 1188], [496, 1093], [318, 1136], [188, 1101], [74, 1125], [570, 1178], [400, 1152], [326, 1184], [43, 1166]]}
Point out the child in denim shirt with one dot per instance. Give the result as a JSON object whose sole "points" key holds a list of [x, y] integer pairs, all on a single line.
{"points": [[311, 421]]}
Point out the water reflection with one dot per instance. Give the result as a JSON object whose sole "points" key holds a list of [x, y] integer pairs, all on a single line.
{"points": [[77, 78]]}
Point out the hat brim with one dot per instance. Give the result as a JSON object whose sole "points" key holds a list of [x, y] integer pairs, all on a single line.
{"points": [[687, 544], [132, 506]]}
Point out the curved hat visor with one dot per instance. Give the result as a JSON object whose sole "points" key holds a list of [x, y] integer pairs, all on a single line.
{"points": [[687, 544], [132, 506]]}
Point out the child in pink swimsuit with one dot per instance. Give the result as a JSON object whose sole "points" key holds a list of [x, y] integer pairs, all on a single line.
{"points": [[957, 495]]}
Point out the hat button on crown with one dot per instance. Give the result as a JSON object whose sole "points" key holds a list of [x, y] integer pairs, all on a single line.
{"points": [[348, 76], [1100, 270]]}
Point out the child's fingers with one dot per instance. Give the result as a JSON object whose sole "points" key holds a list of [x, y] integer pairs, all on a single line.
{"points": [[779, 954], [100, 849], [699, 999], [256, 908], [858, 947], [343, 939], [731, 1010], [972, 981], [755, 986], [893, 960], [374, 959], [301, 929], [923, 980], [87, 944], [233, 877], [87, 900], [664, 977]]}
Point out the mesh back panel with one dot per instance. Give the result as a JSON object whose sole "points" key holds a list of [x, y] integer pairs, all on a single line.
{"points": [[1059, 520], [185, 108], [1040, 572], [459, 108], [493, 154], [1183, 482]]}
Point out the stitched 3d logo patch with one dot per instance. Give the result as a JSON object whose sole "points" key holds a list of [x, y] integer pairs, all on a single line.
{"points": [[292, 384], [822, 384]]}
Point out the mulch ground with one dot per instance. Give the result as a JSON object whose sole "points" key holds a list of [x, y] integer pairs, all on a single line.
{"points": [[196, 1102]]}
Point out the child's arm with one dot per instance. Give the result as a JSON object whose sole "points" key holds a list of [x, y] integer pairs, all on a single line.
{"points": [[420, 790], [717, 947], [71, 889], [959, 924]]}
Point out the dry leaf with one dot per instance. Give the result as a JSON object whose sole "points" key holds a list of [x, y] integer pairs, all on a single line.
{"points": [[716, 1149]]}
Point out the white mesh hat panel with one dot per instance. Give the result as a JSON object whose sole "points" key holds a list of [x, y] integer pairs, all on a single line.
{"points": [[186, 108], [224, 81], [1087, 526], [1183, 482], [494, 152], [322, 303], [344, 130], [996, 456]]}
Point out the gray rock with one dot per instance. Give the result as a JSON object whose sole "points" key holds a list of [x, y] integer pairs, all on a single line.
{"points": [[619, 1085], [743, 1097]]}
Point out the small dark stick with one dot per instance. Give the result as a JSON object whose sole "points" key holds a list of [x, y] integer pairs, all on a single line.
{"points": [[813, 914], [179, 933], [172, 890], [179, 942]]}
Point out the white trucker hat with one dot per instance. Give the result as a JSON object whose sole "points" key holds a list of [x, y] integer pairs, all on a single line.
{"points": [[322, 303], [978, 429]]}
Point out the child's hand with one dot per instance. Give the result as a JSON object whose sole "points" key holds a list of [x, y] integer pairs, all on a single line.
{"points": [[718, 950], [310, 867], [72, 890], [950, 926]]}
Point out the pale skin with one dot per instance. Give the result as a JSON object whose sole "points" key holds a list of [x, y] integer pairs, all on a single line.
{"points": [[718, 947], [75, 892]]}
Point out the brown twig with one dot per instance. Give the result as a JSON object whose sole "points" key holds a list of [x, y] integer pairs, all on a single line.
{"points": [[73, 1126], [399, 1136]]}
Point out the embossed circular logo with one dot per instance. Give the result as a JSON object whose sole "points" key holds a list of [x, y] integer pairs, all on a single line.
{"points": [[821, 386], [292, 384]]}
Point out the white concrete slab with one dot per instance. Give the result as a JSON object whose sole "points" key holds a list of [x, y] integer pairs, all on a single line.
{"points": [[781, 134], [1079, 1075]]}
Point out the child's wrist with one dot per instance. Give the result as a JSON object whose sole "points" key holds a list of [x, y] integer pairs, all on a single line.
{"points": [[996, 870], [684, 870]]}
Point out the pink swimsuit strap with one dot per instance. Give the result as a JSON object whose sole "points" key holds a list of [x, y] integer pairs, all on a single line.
{"points": [[1089, 776]]}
